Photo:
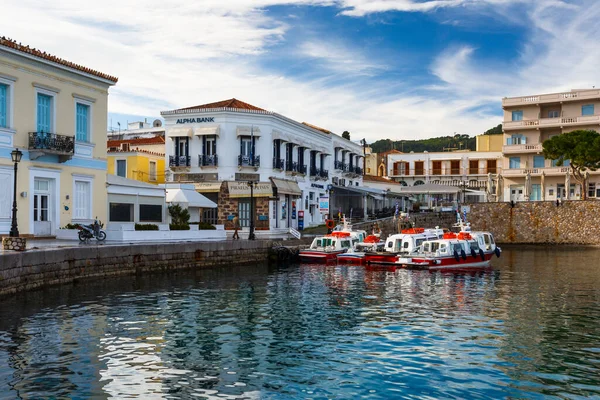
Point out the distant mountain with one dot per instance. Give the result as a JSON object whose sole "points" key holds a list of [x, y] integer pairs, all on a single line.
{"points": [[443, 143]]}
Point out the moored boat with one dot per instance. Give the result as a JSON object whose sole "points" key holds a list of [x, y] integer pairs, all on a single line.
{"points": [[404, 243], [356, 255]]}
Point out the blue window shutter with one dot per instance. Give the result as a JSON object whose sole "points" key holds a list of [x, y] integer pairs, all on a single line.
{"points": [[3, 106], [43, 113], [587, 109], [515, 162], [82, 123]]}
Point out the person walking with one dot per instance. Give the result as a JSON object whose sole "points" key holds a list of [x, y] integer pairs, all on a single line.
{"points": [[236, 226]]}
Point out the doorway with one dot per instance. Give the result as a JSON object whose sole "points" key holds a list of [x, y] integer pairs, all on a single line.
{"points": [[42, 220], [244, 213]]}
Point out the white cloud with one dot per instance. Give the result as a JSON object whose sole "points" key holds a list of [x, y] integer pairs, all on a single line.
{"points": [[183, 53]]}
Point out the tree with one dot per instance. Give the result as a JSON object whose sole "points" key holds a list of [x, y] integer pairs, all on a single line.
{"points": [[180, 218], [497, 130], [581, 148], [346, 135]]}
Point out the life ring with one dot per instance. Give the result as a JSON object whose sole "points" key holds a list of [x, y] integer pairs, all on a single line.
{"points": [[497, 251], [329, 224]]}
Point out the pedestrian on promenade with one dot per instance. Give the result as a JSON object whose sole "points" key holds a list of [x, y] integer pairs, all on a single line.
{"points": [[236, 226]]}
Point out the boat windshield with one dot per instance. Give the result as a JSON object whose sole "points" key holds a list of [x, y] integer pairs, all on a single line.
{"points": [[456, 248], [346, 244], [473, 245]]}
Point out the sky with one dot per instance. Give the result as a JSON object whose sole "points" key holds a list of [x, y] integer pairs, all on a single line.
{"points": [[397, 69]]}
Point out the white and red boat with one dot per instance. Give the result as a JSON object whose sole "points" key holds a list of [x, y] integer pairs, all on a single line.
{"points": [[324, 249], [356, 255], [404, 243], [462, 251]]}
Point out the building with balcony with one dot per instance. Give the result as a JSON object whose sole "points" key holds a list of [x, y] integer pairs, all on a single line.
{"points": [[465, 169], [221, 146], [528, 122], [141, 159], [55, 112]]}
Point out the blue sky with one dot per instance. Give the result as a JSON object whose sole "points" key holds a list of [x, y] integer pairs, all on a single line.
{"points": [[400, 69]]}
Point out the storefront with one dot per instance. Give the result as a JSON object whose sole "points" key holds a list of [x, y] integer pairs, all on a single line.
{"points": [[286, 203], [235, 198], [210, 190]]}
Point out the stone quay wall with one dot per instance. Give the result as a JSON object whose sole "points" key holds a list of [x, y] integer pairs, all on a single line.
{"points": [[391, 226], [20, 271], [539, 222]]}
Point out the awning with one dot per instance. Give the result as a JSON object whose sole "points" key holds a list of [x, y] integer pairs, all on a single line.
{"points": [[428, 188], [286, 187], [241, 189], [207, 131], [207, 187], [179, 132], [189, 197], [248, 131]]}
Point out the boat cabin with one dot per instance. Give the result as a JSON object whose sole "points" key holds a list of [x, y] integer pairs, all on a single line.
{"points": [[407, 243]]}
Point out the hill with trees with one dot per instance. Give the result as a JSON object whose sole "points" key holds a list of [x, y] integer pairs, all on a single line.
{"points": [[442, 143]]}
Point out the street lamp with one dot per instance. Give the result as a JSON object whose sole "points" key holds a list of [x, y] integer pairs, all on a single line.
{"points": [[16, 158], [251, 235]]}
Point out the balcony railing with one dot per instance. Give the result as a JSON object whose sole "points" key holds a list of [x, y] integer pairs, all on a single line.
{"points": [[208, 161], [550, 98], [314, 171], [324, 173], [302, 169], [278, 163], [445, 171], [341, 166], [358, 170], [179, 161], [41, 143], [247, 161], [551, 122], [522, 148], [535, 171], [291, 166]]}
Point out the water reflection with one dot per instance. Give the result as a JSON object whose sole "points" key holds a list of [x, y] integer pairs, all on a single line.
{"points": [[528, 328]]}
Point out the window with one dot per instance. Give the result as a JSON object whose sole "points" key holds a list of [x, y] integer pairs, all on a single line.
{"points": [[152, 170], [82, 200], [553, 114], [517, 115], [82, 124], [587, 109], [210, 148], [516, 139], [246, 146], [538, 161], [122, 168], [4, 92], [592, 189], [514, 162], [150, 213], [44, 112], [491, 166], [120, 212]]}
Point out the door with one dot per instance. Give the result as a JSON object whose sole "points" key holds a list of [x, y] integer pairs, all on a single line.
{"points": [[517, 193], [244, 213], [42, 221]]}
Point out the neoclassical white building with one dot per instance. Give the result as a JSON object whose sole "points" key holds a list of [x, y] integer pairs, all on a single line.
{"points": [[222, 146]]}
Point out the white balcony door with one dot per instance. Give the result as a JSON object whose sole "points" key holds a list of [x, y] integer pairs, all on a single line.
{"points": [[517, 193], [42, 207]]}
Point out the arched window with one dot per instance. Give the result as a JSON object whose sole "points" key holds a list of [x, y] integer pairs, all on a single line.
{"points": [[417, 183], [403, 183], [381, 170]]}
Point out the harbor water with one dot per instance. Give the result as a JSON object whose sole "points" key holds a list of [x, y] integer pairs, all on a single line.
{"points": [[527, 328]]}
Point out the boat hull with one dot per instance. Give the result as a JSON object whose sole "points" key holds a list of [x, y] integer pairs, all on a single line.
{"points": [[316, 256], [446, 263], [380, 258], [351, 258]]}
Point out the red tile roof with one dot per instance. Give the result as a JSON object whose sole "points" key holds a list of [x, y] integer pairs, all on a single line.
{"points": [[138, 141], [317, 128], [137, 150], [373, 178], [6, 42], [231, 103]]}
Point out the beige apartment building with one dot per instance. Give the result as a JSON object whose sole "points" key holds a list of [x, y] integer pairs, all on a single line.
{"points": [[528, 122], [54, 111]]}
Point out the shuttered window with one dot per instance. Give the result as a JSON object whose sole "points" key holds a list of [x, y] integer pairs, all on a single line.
{"points": [[44, 113], [3, 106], [82, 123], [81, 203]]}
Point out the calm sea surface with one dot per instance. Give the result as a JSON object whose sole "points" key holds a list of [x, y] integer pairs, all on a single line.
{"points": [[529, 328]]}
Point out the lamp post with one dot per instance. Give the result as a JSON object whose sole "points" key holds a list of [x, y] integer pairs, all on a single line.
{"points": [[251, 235], [16, 158]]}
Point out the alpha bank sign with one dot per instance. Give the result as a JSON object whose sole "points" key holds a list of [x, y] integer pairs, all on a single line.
{"points": [[195, 120]]}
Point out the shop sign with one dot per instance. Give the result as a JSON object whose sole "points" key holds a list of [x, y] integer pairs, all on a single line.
{"points": [[241, 189], [318, 186], [324, 204], [240, 176], [195, 120]]}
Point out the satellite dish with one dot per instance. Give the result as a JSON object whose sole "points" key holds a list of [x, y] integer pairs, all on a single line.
{"points": [[157, 123]]}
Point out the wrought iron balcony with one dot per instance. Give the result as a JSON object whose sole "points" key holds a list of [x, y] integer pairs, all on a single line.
{"points": [[358, 170], [179, 161], [302, 169], [314, 171], [341, 166], [42, 143], [278, 163], [291, 166], [247, 161], [324, 173], [208, 161]]}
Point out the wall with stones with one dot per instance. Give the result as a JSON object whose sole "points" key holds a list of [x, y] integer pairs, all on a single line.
{"points": [[32, 269], [573, 222], [390, 225], [228, 206]]}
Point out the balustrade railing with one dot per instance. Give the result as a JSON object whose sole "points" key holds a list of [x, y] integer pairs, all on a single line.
{"points": [[51, 143], [278, 163], [247, 161], [208, 160], [179, 161]]}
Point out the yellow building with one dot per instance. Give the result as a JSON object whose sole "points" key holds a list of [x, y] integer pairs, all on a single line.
{"points": [[142, 159], [489, 142], [55, 112]]}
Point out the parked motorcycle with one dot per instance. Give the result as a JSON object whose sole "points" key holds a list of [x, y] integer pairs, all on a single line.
{"points": [[87, 232]]}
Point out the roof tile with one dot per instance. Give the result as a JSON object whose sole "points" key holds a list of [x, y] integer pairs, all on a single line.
{"points": [[231, 103]]}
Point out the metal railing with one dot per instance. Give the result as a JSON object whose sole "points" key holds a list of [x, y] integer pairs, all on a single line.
{"points": [[341, 166], [179, 161], [446, 171], [278, 163], [291, 166], [247, 161], [208, 161], [52, 143], [302, 169], [324, 173]]}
